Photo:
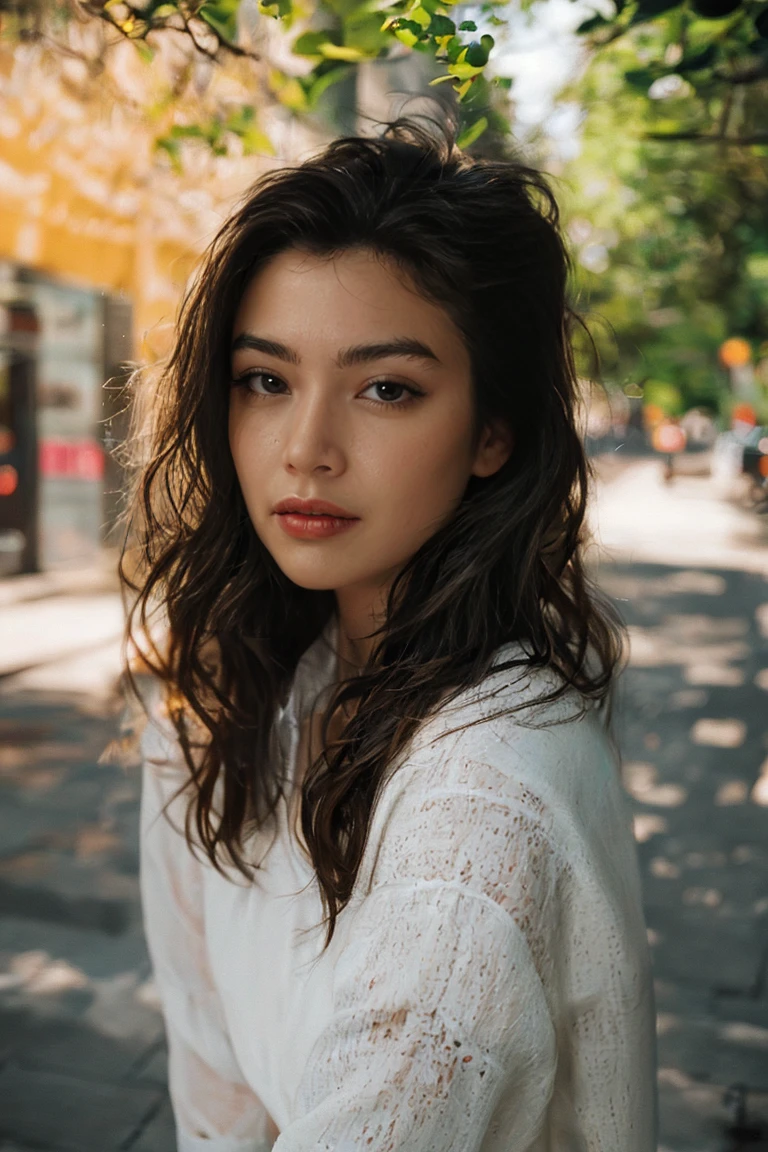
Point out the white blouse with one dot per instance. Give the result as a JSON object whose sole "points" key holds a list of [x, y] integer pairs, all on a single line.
{"points": [[488, 988]]}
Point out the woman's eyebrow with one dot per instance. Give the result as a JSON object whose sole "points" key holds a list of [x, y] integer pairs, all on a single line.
{"points": [[405, 346]]}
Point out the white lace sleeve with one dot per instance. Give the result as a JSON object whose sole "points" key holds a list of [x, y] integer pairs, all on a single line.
{"points": [[439, 1005], [215, 1110]]}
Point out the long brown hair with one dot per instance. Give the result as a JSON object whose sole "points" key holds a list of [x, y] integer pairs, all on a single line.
{"points": [[481, 238]]}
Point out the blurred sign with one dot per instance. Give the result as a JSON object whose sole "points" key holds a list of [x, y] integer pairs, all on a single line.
{"points": [[76, 459], [668, 438], [735, 353]]}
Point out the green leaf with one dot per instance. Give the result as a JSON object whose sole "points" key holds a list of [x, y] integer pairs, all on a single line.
{"points": [[453, 49], [159, 10], [343, 52], [144, 50], [471, 133], [172, 150], [290, 90], [222, 17], [464, 71], [406, 31], [308, 44], [592, 24], [442, 26], [241, 120], [641, 78], [467, 26], [318, 84], [504, 82], [476, 54], [188, 132], [420, 16], [254, 140], [698, 61], [649, 9]]}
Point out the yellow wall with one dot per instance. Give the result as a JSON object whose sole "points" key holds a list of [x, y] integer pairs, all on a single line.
{"points": [[59, 232], [86, 196]]}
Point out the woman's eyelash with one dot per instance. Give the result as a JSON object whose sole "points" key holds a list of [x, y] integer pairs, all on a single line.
{"points": [[413, 393]]}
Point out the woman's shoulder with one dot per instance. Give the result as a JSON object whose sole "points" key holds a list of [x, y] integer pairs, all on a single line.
{"points": [[513, 699], [505, 738], [497, 776]]}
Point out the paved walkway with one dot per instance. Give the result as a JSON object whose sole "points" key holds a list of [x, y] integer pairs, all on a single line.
{"points": [[82, 1058]]}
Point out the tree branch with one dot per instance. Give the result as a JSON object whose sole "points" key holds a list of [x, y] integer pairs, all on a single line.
{"points": [[710, 138]]}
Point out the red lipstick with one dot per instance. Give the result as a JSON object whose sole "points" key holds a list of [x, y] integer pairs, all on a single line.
{"points": [[313, 519]]}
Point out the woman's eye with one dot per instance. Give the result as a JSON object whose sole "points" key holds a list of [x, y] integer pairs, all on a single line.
{"points": [[390, 394], [387, 387], [249, 379]]}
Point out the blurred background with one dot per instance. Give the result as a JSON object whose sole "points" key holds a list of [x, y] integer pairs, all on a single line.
{"points": [[127, 133]]}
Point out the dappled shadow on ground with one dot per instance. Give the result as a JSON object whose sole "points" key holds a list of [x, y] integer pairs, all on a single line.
{"points": [[82, 1057], [693, 726]]}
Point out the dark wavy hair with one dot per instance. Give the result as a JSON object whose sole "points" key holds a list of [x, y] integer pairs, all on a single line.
{"points": [[481, 238]]}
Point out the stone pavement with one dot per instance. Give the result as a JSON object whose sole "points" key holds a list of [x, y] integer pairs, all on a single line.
{"points": [[689, 570], [82, 1055]]}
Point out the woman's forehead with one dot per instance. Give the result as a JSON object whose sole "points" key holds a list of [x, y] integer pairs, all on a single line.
{"points": [[299, 302]]}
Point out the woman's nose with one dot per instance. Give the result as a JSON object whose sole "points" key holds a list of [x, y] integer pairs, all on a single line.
{"points": [[313, 435]]}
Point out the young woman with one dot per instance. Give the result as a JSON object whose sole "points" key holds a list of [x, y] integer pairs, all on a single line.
{"points": [[383, 682]]}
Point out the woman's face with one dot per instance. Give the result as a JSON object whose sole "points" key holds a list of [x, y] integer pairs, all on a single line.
{"points": [[384, 434]]}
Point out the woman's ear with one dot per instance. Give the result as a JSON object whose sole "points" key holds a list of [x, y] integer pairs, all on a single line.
{"points": [[495, 448]]}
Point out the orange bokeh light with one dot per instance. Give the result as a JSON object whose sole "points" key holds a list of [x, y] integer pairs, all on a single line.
{"points": [[744, 414], [735, 353], [653, 415], [668, 437], [9, 480]]}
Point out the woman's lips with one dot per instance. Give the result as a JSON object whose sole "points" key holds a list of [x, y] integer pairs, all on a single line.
{"points": [[314, 527]]}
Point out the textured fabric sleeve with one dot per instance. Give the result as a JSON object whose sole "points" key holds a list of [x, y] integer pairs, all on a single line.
{"points": [[215, 1110], [440, 1010]]}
